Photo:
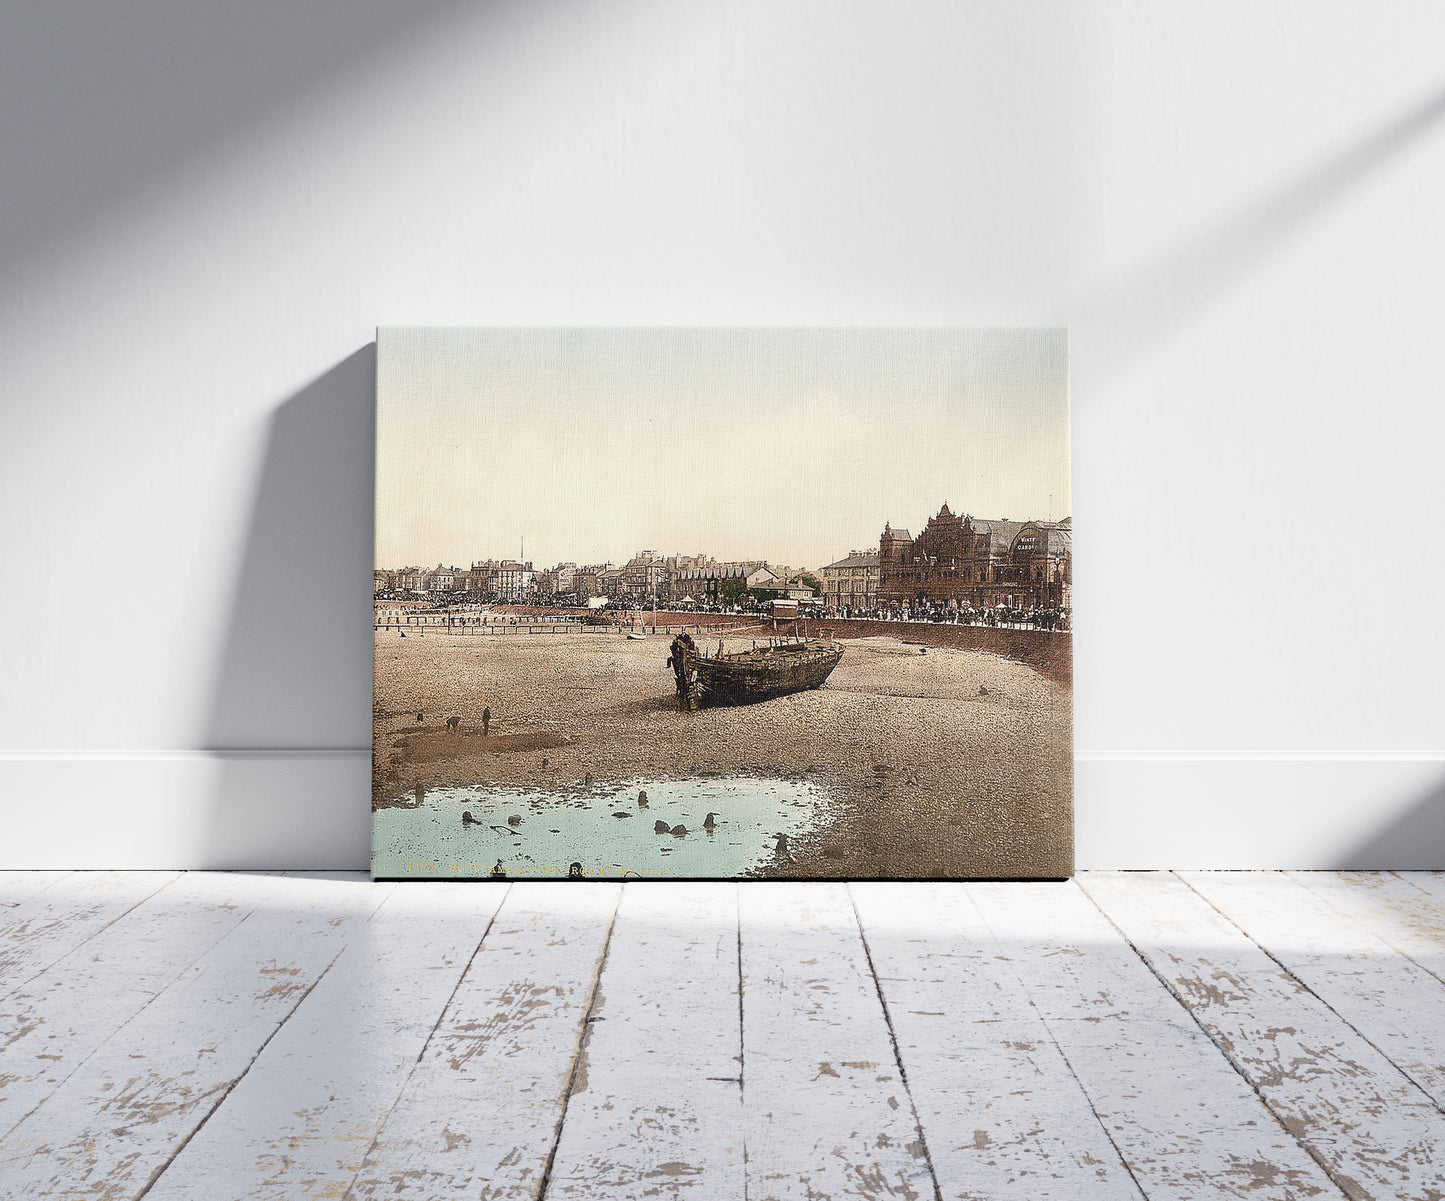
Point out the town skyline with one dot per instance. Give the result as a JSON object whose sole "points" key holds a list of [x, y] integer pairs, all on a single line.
{"points": [[955, 565], [865, 547], [790, 446]]}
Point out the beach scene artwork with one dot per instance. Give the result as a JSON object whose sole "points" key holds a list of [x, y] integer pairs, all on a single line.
{"points": [[656, 603]]}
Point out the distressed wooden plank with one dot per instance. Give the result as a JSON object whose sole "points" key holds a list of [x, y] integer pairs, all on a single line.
{"points": [[55, 1021], [481, 1111], [1432, 884], [657, 1107], [1392, 1002], [1402, 908], [1188, 1127], [826, 1111], [18, 886], [1001, 1112], [300, 1122], [1151, 1075], [1373, 1129], [50, 923], [123, 1114]]}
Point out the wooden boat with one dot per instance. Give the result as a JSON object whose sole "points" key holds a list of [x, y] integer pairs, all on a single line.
{"points": [[745, 677]]}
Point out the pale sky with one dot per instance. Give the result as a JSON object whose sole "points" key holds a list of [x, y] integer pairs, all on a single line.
{"points": [[790, 445]]}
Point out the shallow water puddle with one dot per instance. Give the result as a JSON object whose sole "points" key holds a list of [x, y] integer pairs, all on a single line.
{"points": [[604, 829]]}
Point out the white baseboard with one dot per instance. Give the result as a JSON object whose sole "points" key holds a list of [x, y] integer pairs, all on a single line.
{"points": [[186, 809], [309, 809], [1365, 811]]}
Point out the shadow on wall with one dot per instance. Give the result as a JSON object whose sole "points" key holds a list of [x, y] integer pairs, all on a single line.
{"points": [[290, 717], [1413, 842], [118, 96]]}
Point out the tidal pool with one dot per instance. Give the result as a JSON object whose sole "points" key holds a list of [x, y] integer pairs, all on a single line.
{"points": [[602, 828]]}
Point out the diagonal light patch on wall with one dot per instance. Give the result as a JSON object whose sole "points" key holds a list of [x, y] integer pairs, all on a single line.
{"points": [[1144, 305]]}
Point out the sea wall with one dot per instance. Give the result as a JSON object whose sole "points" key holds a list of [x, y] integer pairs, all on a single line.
{"points": [[1049, 652]]}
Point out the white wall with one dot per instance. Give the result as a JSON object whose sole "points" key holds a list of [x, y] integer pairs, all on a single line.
{"points": [[205, 208]]}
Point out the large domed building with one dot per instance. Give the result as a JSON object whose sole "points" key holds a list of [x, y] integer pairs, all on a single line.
{"points": [[982, 562]]}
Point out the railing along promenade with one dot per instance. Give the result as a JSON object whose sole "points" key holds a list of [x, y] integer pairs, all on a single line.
{"points": [[1050, 652]]}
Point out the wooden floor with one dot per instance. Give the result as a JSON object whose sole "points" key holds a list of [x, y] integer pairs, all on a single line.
{"points": [[1187, 1035]]}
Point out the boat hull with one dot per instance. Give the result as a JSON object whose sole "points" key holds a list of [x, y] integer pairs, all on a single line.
{"points": [[752, 676]]}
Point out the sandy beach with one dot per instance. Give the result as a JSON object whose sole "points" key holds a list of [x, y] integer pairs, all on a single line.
{"points": [[949, 763]]}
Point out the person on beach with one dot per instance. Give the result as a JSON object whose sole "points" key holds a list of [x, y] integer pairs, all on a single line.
{"points": [[486, 721]]}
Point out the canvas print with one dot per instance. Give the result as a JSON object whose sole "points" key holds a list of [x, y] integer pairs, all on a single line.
{"points": [[722, 603]]}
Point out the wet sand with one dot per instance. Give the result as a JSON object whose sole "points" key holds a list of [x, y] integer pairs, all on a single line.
{"points": [[945, 764]]}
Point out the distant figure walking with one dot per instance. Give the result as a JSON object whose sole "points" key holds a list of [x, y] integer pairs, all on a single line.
{"points": [[782, 847], [710, 822], [420, 716], [454, 724], [486, 721], [642, 799]]}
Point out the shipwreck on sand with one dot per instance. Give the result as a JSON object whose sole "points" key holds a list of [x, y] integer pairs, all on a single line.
{"points": [[745, 677]]}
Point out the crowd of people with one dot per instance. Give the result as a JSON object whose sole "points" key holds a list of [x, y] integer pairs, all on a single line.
{"points": [[1000, 616], [451, 618], [1032, 618]]}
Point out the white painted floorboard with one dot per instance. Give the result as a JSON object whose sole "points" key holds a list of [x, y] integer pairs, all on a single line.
{"points": [[1189, 1036], [49, 923], [826, 1111], [1185, 1123], [481, 1112], [302, 1119], [54, 1022], [1002, 1113], [656, 1105], [1311, 1068], [121, 1117]]}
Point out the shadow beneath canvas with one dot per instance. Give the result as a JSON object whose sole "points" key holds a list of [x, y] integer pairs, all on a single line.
{"points": [[290, 716]]}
